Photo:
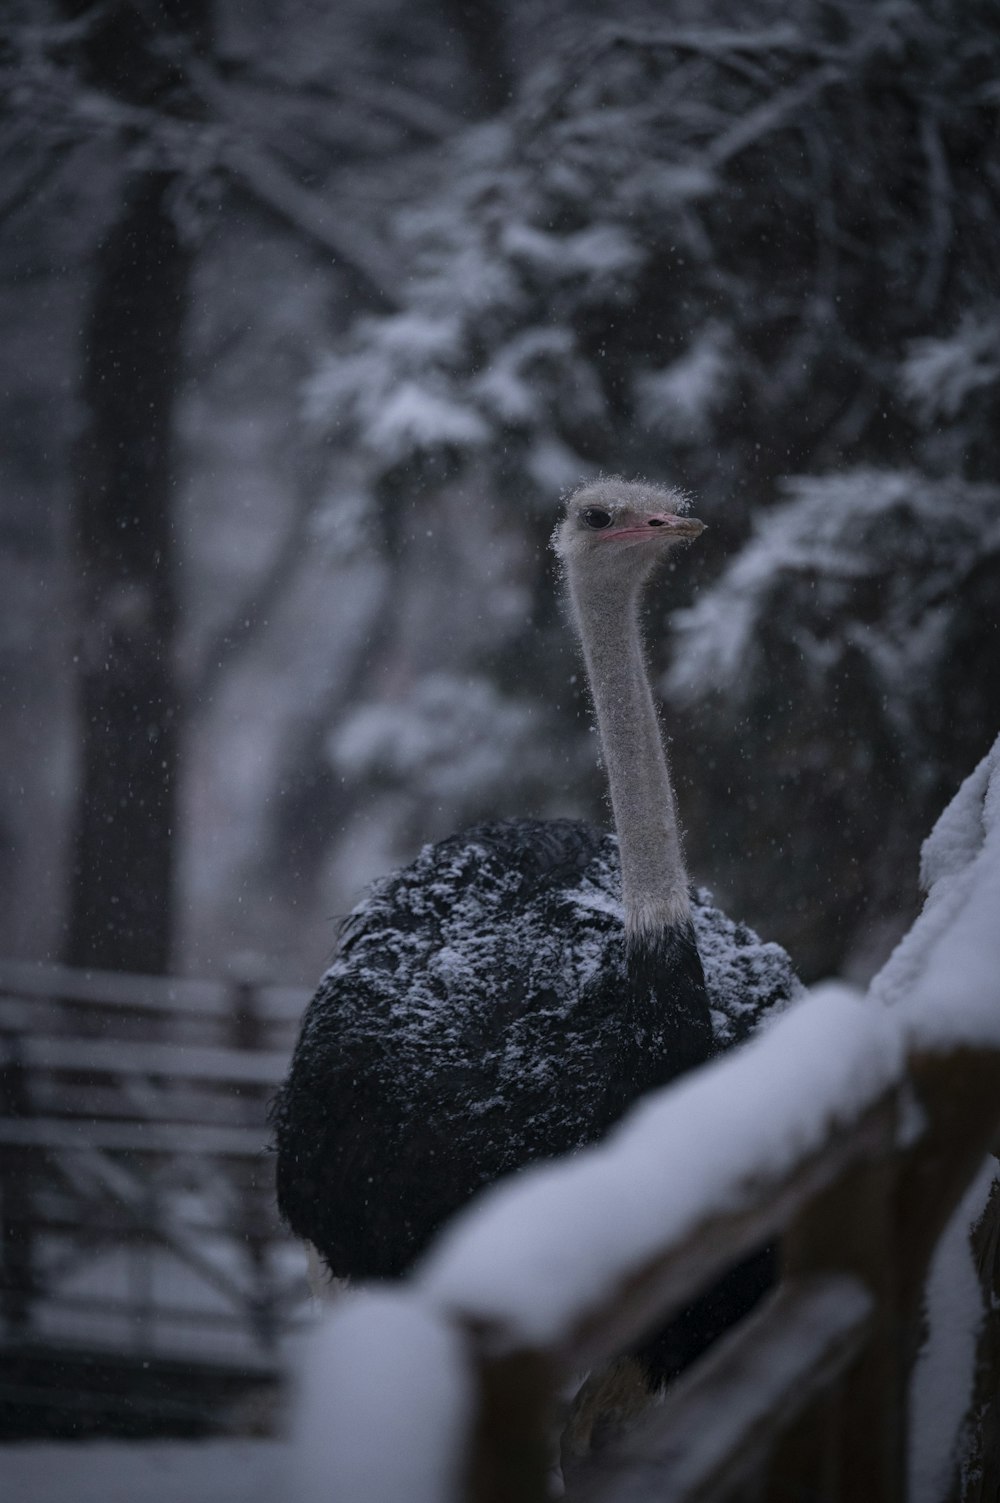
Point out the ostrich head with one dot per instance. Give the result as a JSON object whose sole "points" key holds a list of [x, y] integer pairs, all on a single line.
{"points": [[615, 531]]}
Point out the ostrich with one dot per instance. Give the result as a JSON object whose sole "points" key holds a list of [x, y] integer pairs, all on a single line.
{"points": [[512, 992]]}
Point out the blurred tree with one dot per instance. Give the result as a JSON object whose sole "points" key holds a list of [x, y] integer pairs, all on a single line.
{"points": [[177, 116], [121, 895], [122, 873], [710, 254], [745, 251], [848, 654]]}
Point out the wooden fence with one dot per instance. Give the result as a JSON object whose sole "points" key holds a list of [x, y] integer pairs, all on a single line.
{"points": [[136, 1195], [852, 1138]]}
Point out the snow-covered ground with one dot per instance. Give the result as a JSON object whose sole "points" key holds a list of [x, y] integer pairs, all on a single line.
{"points": [[209, 1471]]}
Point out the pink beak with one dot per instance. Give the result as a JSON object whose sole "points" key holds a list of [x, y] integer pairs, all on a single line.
{"points": [[661, 521]]}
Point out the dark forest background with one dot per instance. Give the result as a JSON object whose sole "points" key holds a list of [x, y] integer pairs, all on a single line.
{"points": [[308, 314]]}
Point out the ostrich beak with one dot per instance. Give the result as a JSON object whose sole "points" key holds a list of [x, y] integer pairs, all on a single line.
{"points": [[652, 522], [678, 527], [663, 524]]}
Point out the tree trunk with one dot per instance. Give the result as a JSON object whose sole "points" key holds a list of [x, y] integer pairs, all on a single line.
{"points": [[121, 912], [121, 907]]}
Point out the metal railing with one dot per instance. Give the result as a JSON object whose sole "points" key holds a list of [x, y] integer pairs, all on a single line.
{"points": [[136, 1192]]}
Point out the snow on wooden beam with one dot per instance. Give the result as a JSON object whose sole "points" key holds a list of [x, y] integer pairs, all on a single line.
{"points": [[535, 1259], [942, 978]]}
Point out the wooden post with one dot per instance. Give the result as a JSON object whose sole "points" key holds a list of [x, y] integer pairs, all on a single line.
{"points": [[142, 1271], [18, 1279], [959, 1095], [978, 1480], [513, 1442], [254, 1199], [851, 1446]]}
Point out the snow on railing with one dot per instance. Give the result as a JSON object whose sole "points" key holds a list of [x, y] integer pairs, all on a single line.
{"points": [[560, 1267], [943, 975], [847, 1131], [540, 1255]]}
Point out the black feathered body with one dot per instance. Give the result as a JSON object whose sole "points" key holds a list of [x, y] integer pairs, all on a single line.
{"points": [[482, 1011]]}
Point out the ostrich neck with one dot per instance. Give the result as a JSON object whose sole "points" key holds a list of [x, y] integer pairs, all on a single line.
{"points": [[654, 881]]}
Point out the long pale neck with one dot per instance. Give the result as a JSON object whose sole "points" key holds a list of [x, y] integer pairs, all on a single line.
{"points": [[654, 880]]}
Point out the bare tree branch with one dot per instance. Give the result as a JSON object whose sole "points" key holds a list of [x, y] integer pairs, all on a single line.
{"points": [[65, 107], [252, 612], [328, 226], [412, 110], [29, 177], [769, 116], [719, 43], [939, 195]]}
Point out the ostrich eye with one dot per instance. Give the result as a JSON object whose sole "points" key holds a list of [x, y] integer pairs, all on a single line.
{"points": [[596, 518]]}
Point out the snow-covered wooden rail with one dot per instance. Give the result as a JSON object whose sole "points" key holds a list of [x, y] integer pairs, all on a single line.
{"points": [[848, 1132], [809, 1135], [137, 1213]]}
